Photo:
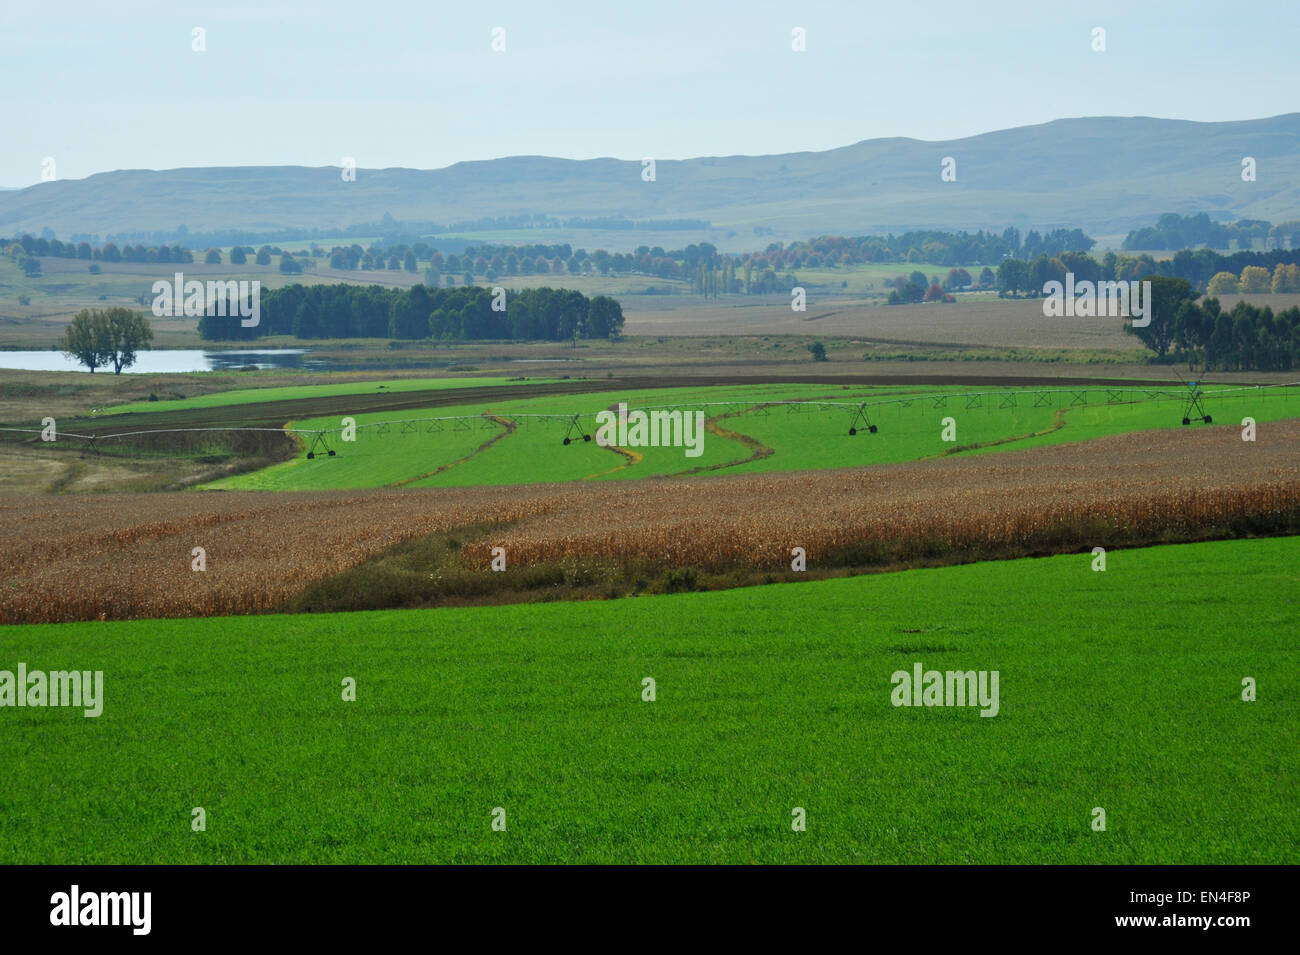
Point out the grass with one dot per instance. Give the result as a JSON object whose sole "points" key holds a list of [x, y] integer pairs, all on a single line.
{"points": [[777, 439], [244, 396], [916, 432], [1119, 689], [533, 453]]}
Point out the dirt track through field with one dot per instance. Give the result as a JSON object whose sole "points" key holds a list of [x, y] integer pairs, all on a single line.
{"points": [[127, 556]]}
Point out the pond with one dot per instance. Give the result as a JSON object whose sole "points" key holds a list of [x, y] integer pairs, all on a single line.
{"points": [[165, 360]]}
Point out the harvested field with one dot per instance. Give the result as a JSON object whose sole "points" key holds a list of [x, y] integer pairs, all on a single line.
{"points": [[109, 557], [1016, 323]]}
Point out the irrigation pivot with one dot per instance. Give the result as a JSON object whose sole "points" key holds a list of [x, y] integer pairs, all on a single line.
{"points": [[110, 442], [321, 442], [861, 415], [575, 424], [1194, 396]]}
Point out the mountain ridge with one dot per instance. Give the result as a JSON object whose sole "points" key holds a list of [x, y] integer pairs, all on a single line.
{"points": [[1105, 175]]}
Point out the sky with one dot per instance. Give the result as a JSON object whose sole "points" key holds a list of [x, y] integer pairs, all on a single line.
{"points": [[117, 85]]}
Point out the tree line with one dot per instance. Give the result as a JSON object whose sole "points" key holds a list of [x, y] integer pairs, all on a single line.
{"points": [[1017, 277], [1024, 262], [1247, 338], [914, 288], [464, 313], [491, 261], [1173, 231]]}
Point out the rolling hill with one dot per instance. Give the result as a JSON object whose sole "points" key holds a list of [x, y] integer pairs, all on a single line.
{"points": [[1105, 175]]}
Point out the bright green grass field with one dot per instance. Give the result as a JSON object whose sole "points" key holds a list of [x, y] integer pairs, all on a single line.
{"points": [[1120, 690], [245, 396], [910, 422], [535, 453], [989, 422]]}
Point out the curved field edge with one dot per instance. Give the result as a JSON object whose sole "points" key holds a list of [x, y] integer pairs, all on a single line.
{"points": [[1120, 689], [748, 432], [108, 557], [533, 453], [242, 396]]}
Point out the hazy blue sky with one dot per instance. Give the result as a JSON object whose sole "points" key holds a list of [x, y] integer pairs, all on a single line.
{"points": [[115, 84]]}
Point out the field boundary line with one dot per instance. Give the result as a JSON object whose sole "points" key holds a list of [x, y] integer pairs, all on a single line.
{"points": [[509, 427], [1059, 414], [633, 458], [711, 425]]}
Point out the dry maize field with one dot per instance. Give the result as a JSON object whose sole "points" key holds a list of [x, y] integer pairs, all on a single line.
{"points": [[131, 556]]}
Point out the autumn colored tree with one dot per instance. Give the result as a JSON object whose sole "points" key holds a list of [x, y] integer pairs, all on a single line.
{"points": [[1222, 283], [1255, 279]]}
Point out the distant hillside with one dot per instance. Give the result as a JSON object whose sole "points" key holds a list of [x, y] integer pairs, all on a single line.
{"points": [[1104, 175]]}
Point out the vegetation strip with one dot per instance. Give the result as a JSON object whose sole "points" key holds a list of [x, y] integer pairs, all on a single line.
{"points": [[263, 549]]}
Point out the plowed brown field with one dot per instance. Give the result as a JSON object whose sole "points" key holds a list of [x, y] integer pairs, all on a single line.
{"points": [[127, 556]]}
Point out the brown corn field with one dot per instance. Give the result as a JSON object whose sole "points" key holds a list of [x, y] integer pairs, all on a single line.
{"points": [[129, 556]]}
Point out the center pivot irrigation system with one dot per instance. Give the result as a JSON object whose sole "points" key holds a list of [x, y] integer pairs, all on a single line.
{"points": [[1191, 396], [1194, 395]]}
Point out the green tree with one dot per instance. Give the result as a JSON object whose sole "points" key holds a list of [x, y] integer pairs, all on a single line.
{"points": [[1043, 270], [82, 342], [126, 332], [98, 339], [1013, 277], [1171, 304], [604, 317], [306, 321], [818, 351]]}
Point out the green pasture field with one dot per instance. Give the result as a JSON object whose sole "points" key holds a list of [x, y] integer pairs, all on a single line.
{"points": [[534, 453], [988, 421], [910, 425], [245, 396], [1120, 690]]}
